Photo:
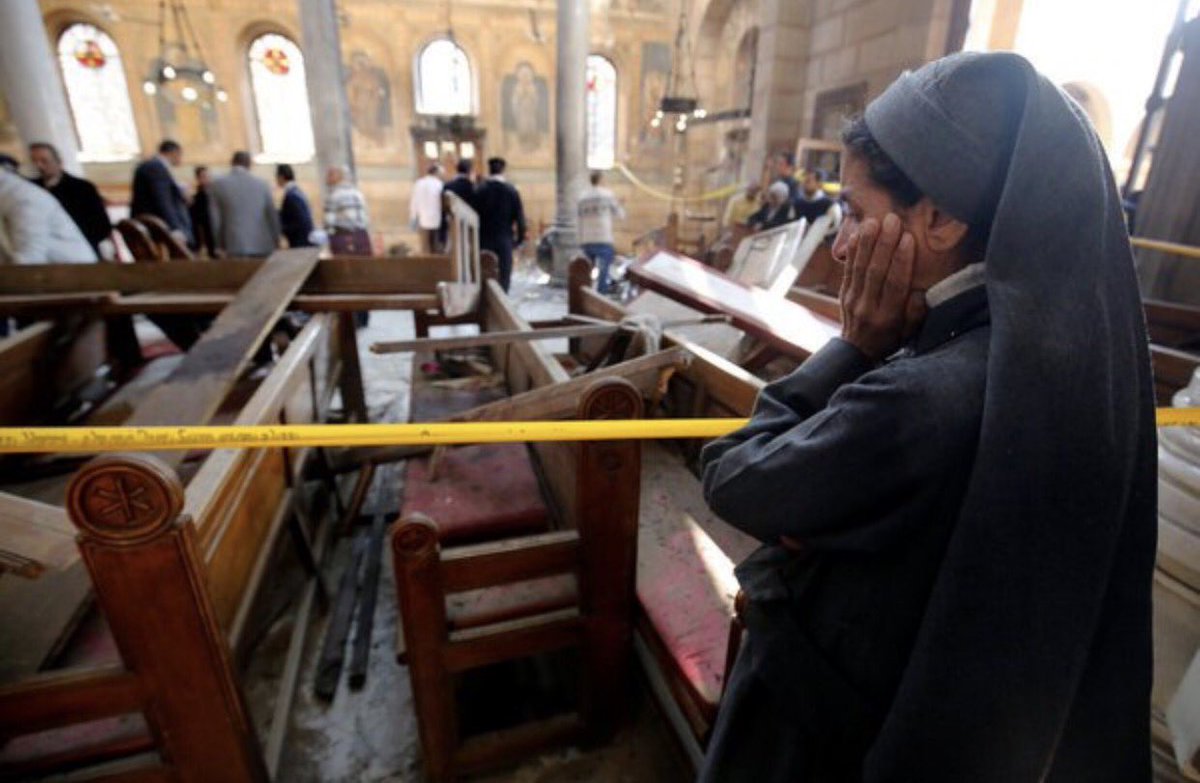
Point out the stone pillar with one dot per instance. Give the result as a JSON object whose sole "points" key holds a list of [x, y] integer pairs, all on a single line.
{"points": [[779, 80], [326, 84], [31, 83], [570, 136]]}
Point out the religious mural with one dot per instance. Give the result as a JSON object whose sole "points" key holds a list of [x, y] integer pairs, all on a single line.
{"points": [[525, 113], [369, 93], [656, 73]]}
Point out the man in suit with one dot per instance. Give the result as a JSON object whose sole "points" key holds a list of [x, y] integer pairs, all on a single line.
{"points": [[155, 191], [295, 214], [78, 197], [245, 222], [462, 186], [501, 218], [200, 211]]}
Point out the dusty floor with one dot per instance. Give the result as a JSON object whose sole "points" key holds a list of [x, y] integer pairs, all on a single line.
{"points": [[371, 734]]}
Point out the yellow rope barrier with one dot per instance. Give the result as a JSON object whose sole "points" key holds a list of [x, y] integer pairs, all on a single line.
{"points": [[15, 440], [1167, 247], [724, 192]]}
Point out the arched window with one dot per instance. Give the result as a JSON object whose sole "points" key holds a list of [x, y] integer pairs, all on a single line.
{"points": [[280, 100], [99, 97], [444, 82], [601, 113]]}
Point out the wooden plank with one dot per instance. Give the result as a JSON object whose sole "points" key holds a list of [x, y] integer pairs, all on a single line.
{"points": [[359, 656], [57, 699], [36, 615], [490, 338], [472, 648], [536, 361], [786, 326], [510, 560], [560, 399], [38, 533], [333, 649], [410, 275], [214, 302], [77, 757], [485, 751], [195, 390]]}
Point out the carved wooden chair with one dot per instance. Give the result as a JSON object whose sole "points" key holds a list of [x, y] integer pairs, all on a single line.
{"points": [[168, 244], [137, 239], [466, 607]]}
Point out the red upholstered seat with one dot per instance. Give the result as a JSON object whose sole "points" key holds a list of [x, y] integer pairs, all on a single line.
{"points": [[686, 589], [481, 493], [685, 582]]}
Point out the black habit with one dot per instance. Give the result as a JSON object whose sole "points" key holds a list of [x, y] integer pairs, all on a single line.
{"points": [[977, 515]]}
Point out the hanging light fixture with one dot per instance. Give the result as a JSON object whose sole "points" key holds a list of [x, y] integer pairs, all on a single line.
{"points": [[681, 99], [179, 73]]}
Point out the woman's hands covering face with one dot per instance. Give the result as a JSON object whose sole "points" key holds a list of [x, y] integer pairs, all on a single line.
{"points": [[879, 308]]}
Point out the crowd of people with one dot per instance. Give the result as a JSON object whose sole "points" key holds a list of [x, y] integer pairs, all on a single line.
{"points": [[785, 200], [55, 216], [502, 224]]}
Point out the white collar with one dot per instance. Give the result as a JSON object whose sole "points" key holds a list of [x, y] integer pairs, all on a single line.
{"points": [[497, 177], [970, 276]]}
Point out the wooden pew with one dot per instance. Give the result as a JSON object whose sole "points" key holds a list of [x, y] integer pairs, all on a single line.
{"points": [[687, 633], [583, 572], [177, 572]]}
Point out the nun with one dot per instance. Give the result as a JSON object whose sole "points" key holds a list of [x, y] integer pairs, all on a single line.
{"points": [[956, 499]]}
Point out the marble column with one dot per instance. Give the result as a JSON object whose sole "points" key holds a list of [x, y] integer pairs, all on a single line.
{"points": [[570, 146], [31, 83], [780, 76], [326, 84]]}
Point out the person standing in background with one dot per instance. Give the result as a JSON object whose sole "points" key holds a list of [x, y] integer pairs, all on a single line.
{"points": [[34, 227], [425, 208], [78, 196], [295, 214], [199, 212], [155, 191], [347, 222], [245, 222], [501, 218], [598, 207]]}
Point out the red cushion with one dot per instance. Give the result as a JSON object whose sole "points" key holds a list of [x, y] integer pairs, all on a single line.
{"points": [[482, 493], [686, 588]]}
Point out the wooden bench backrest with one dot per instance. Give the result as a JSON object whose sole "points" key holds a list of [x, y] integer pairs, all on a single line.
{"points": [[239, 498], [525, 366]]}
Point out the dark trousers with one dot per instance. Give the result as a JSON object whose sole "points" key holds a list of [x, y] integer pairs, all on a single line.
{"points": [[504, 251]]}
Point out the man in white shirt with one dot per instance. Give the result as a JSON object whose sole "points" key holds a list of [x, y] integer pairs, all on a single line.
{"points": [[425, 208], [597, 208], [34, 228]]}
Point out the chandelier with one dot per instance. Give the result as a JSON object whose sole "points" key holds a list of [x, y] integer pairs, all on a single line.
{"points": [[179, 73], [681, 102]]}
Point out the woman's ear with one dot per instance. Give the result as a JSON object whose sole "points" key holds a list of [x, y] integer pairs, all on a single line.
{"points": [[943, 232]]}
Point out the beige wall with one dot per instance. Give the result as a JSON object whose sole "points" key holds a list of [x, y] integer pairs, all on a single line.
{"points": [[805, 48], [496, 34]]}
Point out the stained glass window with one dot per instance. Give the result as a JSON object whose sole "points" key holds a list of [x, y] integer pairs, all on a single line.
{"points": [[444, 81], [280, 100], [601, 113], [98, 94]]}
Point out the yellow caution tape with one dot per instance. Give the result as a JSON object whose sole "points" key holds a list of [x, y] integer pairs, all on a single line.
{"points": [[1166, 247], [14, 440], [714, 195], [96, 439]]}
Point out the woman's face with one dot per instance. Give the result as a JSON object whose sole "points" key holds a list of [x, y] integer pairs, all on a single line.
{"points": [[864, 199], [935, 235]]}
